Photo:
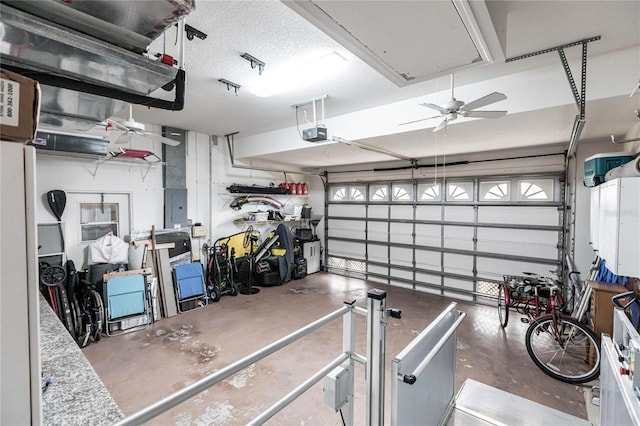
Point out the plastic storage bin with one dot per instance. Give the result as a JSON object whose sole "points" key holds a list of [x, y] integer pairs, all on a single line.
{"points": [[596, 166]]}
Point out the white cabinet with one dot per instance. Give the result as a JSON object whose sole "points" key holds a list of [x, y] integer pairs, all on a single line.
{"points": [[311, 251], [594, 223], [618, 240]]}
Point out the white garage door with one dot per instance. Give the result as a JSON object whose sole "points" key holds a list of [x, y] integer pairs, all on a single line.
{"points": [[455, 238]]}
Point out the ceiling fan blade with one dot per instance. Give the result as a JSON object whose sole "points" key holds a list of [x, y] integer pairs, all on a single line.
{"points": [[117, 125], [422, 119], [484, 101], [484, 114], [436, 107], [162, 139], [441, 126], [124, 138]]}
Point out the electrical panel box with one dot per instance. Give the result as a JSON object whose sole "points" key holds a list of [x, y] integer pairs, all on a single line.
{"points": [[336, 387]]}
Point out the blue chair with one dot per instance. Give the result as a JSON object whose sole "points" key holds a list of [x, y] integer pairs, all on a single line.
{"points": [[127, 304], [189, 280]]}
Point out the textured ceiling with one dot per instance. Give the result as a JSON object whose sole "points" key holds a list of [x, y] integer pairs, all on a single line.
{"points": [[540, 104]]}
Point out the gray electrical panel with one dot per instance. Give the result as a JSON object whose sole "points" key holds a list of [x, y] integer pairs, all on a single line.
{"points": [[175, 207], [174, 178]]}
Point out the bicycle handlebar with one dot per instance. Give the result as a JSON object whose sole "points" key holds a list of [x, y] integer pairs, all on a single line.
{"points": [[617, 304]]}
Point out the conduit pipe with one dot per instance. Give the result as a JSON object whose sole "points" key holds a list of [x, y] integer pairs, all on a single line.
{"points": [[108, 92], [230, 145]]}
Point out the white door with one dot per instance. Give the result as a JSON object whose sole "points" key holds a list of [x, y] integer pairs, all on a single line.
{"points": [[88, 216]]}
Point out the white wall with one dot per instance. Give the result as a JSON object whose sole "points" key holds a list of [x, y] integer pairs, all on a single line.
{"points": [[208, 200], [224, 174]]}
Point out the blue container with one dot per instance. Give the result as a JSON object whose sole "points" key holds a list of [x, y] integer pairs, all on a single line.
{"points": [[596, 166]]}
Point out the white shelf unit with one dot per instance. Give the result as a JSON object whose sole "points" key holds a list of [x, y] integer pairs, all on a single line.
{"points": [[615, 224]]}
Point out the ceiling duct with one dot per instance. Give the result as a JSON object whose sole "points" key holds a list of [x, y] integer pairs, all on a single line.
{"points": [[94, 44]]}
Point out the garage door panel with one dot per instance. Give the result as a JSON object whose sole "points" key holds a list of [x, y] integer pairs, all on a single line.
{"points": [[401, 256], [453, 240], [494, 269], [346, 229], [457, 283], [401, 273], [378, 253], [517, 235], [378, 231], [376, 269], [458, 213], [428, 278], [522, 215], [426, 259], [402, 212], [378, 212], [346, 249], [458, 263], [542, 251], [458, 237], [428, 235], [348, 210], [428, 212], [519, 242], [401, 233]]}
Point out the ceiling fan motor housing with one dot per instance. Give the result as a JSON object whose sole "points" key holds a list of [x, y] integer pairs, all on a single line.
{"points": [[452, 105]]}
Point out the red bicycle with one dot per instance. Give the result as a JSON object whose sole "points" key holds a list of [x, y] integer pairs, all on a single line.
{"points": [[560, 345]]}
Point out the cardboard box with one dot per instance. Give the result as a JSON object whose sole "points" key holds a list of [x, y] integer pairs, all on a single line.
{"points": [[19, 107]]}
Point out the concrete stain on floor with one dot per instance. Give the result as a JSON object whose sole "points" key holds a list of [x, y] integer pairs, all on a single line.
{"points": [[218, 413], [239, 380]]}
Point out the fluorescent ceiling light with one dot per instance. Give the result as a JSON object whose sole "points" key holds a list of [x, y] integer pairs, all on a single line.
{"points": [[293, 77]]}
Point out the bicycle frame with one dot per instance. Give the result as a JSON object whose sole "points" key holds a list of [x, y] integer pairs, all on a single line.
{"points": [[532, 305]]}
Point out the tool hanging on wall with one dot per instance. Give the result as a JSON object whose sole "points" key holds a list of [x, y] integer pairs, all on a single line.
{"points": [[238, 202], [57, 200]]}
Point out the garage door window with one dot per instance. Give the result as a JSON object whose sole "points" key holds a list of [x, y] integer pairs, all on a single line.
{"points": [[495, 191], [535, 190], [379, 193], [348, 193], [97, 220], [402, 192], [429, 192], [460, 191]]}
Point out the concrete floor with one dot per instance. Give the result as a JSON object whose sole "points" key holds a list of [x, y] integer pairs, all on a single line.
{"points": [[142, 367]]}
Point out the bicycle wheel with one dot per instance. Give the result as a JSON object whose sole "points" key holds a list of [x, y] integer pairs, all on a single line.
{"points": [[97, 315], [568, 351], [503, 307]]}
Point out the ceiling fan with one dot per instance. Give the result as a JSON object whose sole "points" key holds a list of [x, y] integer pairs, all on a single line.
{"points": [[451, 109], [131, 127]]}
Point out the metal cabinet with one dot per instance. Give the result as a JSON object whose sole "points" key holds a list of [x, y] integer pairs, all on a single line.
{"points": [[311, 251]]}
